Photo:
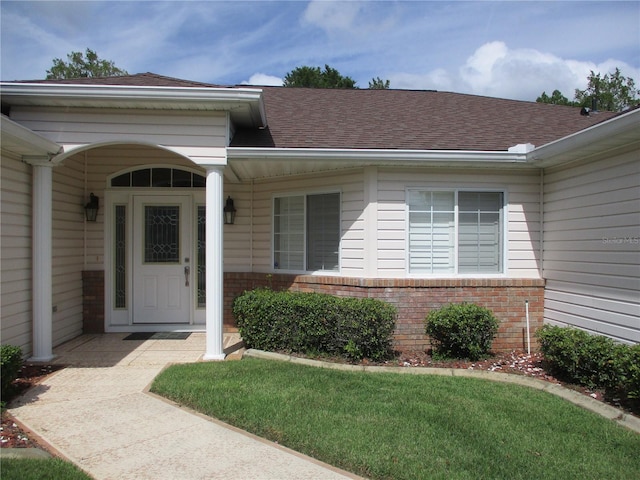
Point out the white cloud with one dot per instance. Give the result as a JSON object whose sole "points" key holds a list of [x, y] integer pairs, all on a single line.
{"points": [[263, 79], [332, 15], [496, 70]]}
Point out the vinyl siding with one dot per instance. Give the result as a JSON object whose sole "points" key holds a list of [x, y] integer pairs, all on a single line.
{"points": [[592, 246], [77, 126], [348, 183], [15, 248], [67, 248], [523, 220]]}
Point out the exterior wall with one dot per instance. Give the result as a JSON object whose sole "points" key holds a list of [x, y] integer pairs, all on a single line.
{"points": [[414, 299], [349, 183], [15, 253], [373, 215], [522, 188], [68, 227], [592, 246], [76, 126]]}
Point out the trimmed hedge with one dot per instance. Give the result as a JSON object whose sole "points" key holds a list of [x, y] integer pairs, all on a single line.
{"points": [[10, 363], [594, 361], [315, 323], [461, 330]]}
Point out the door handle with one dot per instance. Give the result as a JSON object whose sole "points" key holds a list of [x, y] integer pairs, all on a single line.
{"points": [[187, 271]]}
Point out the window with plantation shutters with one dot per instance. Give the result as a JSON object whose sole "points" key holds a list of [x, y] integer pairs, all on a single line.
{"points": [[455, 232], [306, 232]]}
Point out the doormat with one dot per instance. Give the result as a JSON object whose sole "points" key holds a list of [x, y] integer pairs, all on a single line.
{"points": [[158, 336]]}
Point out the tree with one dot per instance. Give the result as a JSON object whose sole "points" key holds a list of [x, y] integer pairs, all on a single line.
{"points": [[611, 93], [378, 84], [556, 98], [314, 77], [80, 66]]}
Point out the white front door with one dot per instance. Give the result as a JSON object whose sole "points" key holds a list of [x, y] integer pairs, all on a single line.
{"points": [[162, 286]]}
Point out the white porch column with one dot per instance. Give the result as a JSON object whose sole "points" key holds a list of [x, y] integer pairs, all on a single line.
{"points": [[41, 267], [214, 264]]}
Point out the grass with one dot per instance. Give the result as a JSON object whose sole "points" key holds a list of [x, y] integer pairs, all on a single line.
{"points": [[390, 426], [40, 469]]}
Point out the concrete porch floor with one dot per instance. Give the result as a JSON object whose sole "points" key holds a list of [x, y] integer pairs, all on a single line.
{"points": [[110, 350]]}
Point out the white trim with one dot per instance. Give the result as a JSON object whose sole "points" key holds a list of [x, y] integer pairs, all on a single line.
{"points": [[42, 263], [391, 156]]}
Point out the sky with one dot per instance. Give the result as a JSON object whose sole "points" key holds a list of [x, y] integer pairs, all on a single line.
{"points": [[505, 49]]}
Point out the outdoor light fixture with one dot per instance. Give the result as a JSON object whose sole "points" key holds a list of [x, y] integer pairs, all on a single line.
{"points": [[91, 208], [229, 212]]}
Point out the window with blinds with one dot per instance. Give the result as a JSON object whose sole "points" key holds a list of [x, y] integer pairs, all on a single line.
{"points": [[455, 232], [306, 232]]}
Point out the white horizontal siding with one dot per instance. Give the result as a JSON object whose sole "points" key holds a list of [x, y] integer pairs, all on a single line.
{"points": [[592, 246], [15, 253], [349, 184], [67, 245], [77, 126], [523, 220]]}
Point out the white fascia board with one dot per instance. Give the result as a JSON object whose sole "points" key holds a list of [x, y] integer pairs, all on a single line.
{"points": [[627, 122], [104, 95], [378, 155], [13, 132]]}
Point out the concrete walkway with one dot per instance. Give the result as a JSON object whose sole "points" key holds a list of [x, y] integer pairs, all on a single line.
{"points": [[98, 415]]}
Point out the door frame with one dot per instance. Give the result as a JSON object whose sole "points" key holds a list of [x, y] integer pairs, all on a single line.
{"points": [[122, 319]]}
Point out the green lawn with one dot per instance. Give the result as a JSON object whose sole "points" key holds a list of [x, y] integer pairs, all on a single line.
{"points": [[40, 469], [390, 426]]}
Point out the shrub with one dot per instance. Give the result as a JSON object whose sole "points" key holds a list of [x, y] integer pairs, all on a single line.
{"points": [[10, 363], [314, 323], [462, 330], [594, 361]]}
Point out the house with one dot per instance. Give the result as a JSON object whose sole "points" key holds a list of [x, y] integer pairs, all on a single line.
{"points": [[419, 198]]}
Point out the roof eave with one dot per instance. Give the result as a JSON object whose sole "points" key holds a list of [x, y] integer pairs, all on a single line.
{"points": [[119, 96], [25, 142], [382, 156], [613, 133]]}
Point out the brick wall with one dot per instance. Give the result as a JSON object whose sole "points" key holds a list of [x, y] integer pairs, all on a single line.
{"points": [[414, 298], [93, 301]]}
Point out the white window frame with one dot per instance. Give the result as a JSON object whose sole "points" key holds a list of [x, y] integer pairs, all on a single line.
{"points": [[305, 196], [455, 274]]}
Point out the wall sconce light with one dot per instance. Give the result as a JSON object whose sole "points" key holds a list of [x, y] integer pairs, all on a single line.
{"points": [[91, 208], [229, 212]]}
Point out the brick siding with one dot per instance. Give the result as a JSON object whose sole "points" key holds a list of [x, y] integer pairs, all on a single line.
{"points": [[414, 299], [93, 301]]}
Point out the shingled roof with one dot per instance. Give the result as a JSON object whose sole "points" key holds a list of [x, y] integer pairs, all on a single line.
{"points": [[388, 119], [407, 119]]}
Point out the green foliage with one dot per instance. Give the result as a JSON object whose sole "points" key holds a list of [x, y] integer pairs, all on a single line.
{"points": [[10, 363], [314, 77], [379, 84], [315, 323], [83, 65], [556, 98], [594, 361], [462, 330], [612, 92]]}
